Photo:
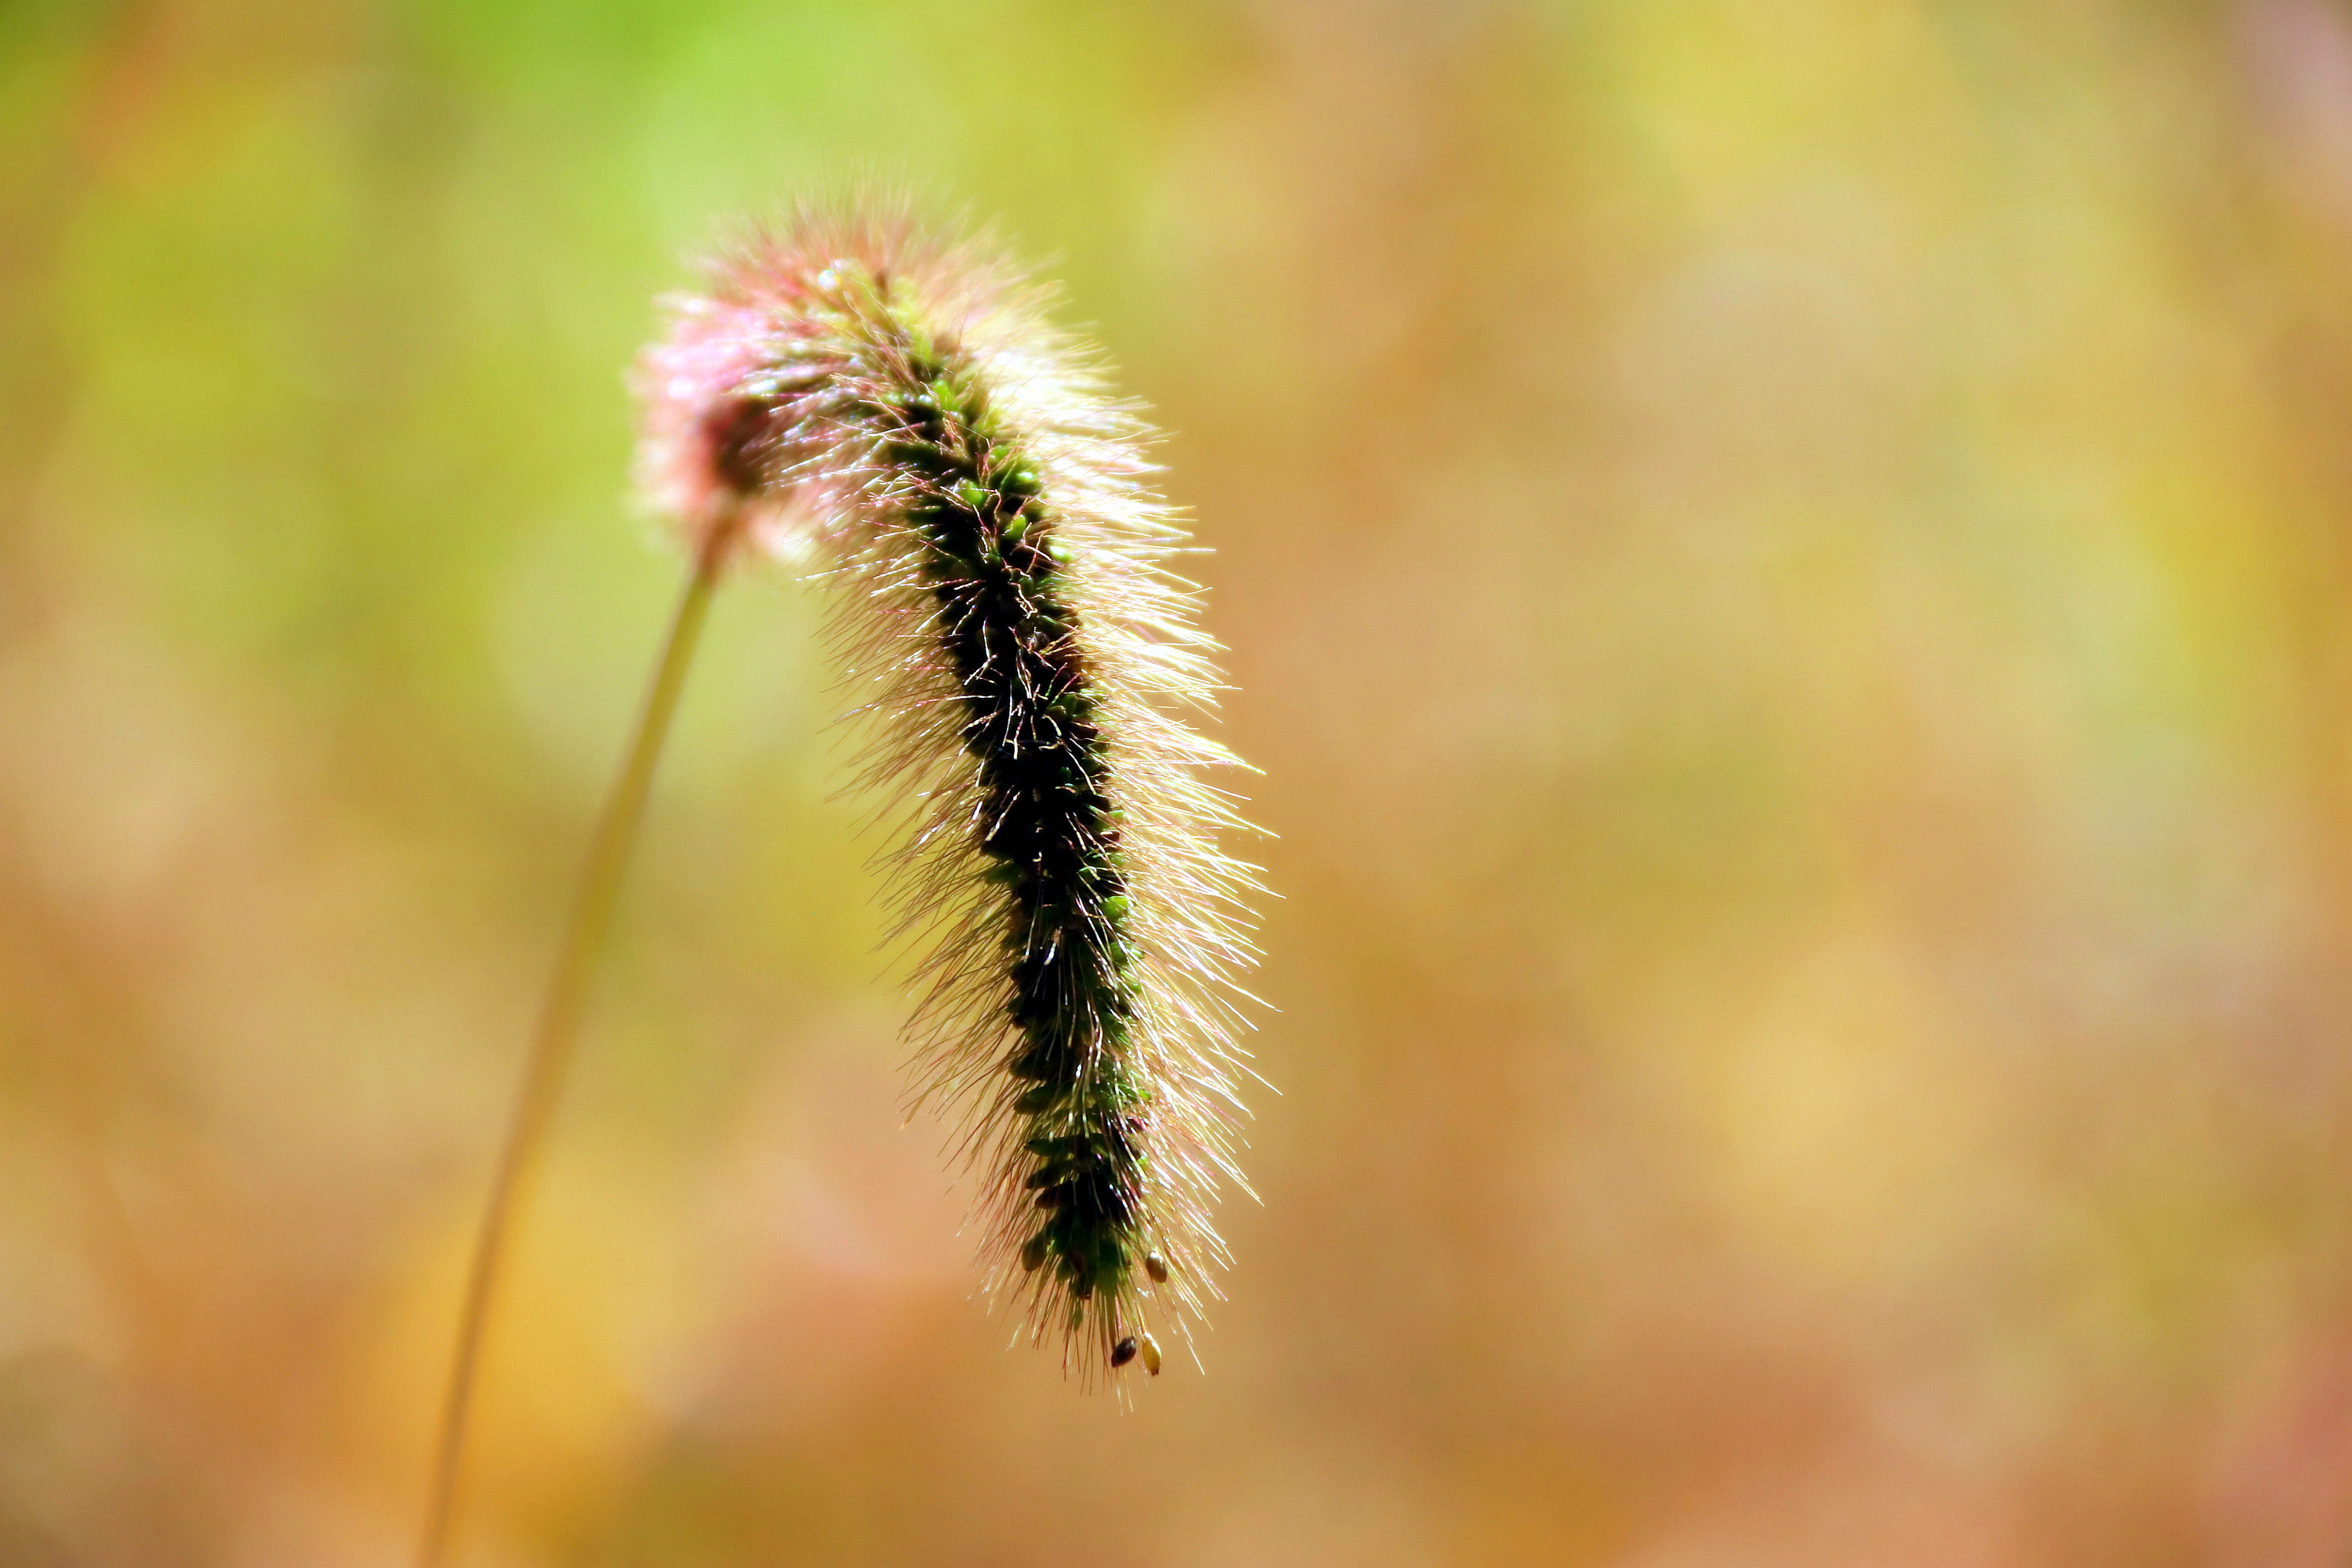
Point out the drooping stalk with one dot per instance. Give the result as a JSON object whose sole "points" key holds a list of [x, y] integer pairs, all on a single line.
{"points": [[556, 1034]]}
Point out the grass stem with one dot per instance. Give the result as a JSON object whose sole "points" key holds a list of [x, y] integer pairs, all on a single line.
{"points": [[553, 1042]]}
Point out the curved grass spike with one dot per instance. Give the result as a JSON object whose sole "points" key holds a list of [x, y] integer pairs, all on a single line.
{"points": [[896, 399], [900, 401]]}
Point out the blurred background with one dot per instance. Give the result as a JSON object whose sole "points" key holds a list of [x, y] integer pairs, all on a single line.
{"points": [[1786, 566]]}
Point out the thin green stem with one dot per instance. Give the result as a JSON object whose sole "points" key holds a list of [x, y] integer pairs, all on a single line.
{"points": [[553, 1042]]}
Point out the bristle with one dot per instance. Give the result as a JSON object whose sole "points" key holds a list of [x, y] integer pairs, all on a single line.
{"points": [[1004, 605]]}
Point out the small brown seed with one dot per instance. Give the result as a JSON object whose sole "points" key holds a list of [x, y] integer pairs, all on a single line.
{"points": [[1157, 1267], [1123, 1351]]}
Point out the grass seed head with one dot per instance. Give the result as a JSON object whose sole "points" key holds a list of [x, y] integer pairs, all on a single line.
{"points": [[895, 396]]}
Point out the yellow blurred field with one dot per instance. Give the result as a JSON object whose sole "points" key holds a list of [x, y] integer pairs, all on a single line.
{"points": [[1786, 566]]}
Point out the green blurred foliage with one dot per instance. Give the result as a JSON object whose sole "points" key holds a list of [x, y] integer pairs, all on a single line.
{"points": [[1785, 565]]}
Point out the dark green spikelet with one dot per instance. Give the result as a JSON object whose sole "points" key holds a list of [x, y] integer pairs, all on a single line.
{"points": [[899, 400], [1047, 829]]}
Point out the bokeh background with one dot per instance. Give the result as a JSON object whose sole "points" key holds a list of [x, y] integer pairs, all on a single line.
{"points": [[1786, 564]]}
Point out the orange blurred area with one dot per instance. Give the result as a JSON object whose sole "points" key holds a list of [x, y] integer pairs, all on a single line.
{"points": [[1786, 565]]}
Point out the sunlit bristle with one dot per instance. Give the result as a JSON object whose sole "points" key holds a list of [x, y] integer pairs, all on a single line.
{"points": [[897, 397]]}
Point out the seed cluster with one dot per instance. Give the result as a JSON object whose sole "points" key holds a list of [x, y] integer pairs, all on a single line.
{"points": [[899, 399], [1048, 825]]}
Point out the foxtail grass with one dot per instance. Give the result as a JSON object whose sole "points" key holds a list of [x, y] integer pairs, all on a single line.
{"points": [[891, 401]]}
